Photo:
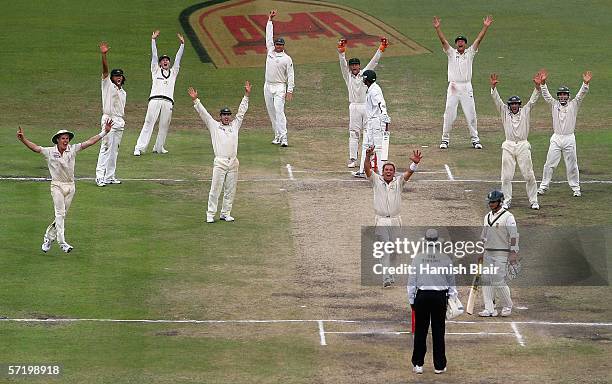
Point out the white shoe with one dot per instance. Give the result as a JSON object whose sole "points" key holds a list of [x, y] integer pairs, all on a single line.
{"points": [[100, 182], [417, 369], [486, 313], [444, 145], [577, 194], [477, 145], [137, 152], [506, 311], [284, 143], [46, 245], [352, 163], [210, 219], [439, 371], [387, 284], [112, 181], [226, 218], [360, 175], [66, 247], [541, 191], [163, 151], [276, 141], [535, 206]]}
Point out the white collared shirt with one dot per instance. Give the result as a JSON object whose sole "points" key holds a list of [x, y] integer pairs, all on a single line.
{"points": [[516, 125], [113, 102], [163, 80], [460, 65], [387, 197], [61, 166], [564, 116], [354, 83], [499, 229], [279, 66]]}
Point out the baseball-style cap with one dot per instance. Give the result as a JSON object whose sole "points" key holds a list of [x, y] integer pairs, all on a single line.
{"points": [[163, 57], [61, 132], [354, 60], [225, 111], [563, 89], [431, 234], [279, 40], [461, 37]]}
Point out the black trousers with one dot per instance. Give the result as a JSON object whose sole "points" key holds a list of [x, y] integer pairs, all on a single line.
{"points": [[430, 306]]}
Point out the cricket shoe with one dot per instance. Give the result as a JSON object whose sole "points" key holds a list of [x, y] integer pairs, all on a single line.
{"points": [[66, 247], [284, 143], [535, 206], [444, 144], [477, 145], [352, 163], [210, 219], [577, 194], [137, 152], [276, 141], [418, 369], [163, 151], [387, 284], [506, 311], [46, 245], [227, 218], [112, 181], [439, 371], [100, 183], [541, 191], [360, 175], [486, 313]]}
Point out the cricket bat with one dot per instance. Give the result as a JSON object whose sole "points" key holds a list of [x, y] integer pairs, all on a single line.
{"points": [[469, 308], [384, 156]]}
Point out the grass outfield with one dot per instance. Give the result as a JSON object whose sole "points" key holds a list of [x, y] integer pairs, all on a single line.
{"points": [[143, 251]]}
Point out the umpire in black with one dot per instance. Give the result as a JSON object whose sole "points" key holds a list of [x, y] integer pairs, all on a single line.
{"points": [[428, 295]]}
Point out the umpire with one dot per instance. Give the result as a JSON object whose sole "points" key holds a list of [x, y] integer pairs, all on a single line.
{"points": [[428, 295]]}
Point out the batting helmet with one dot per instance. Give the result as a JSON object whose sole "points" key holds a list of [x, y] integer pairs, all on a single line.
{"points": [[461, 37], [514, 99], [163, 57], [369, 75], [225, 111], [354, 60], [563, 89], [495, 195]]}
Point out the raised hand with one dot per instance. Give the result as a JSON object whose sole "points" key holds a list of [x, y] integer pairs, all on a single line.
{"points": [[436, 22], [384, 43], [416, 156], [341, 45], [247, 88], [108, 124], [272, 14], [494, 80], [155, 35], [543, 76], [370, 151], [20, 134], [193, 93], [104, 47], [488, 21], [537, 79], [181, 38], [587, 76]]}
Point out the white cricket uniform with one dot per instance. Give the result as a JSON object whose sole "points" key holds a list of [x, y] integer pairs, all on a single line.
{"points": [[357, 97], [280, 79], [387, 209], [498, 231], [563, 140], [61, 168], [377, 119], [161, 101], [225, 145], [460, 91], [516, 148], [113, 107]]}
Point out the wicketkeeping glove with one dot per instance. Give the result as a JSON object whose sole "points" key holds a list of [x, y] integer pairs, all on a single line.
{"points": [[384, 43], [342, 45]]}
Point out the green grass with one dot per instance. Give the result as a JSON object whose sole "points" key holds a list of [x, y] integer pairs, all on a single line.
{"points": [[142, 249]]}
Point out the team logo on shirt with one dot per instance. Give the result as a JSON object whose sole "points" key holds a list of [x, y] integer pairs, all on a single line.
{"points": [[232, 33]]}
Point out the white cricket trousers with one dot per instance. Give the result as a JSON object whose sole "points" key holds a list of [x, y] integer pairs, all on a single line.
{"points": [[566, 145], [464, 94], [158, 108], [62, 194], [387, 230], [514, 152], [357, 123], [274, 95], [225, 176], [494, 286], [373, 135], [109, 150]]}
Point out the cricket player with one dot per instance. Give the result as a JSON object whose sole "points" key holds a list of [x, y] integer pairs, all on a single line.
{"points": [[224, 137], [388, 201], [279, 82], [516, 148], [113, 108], [161, 98], [460, 89], [60, 160], [352, 74], [500, 236], [563, 141], [377, 119]]}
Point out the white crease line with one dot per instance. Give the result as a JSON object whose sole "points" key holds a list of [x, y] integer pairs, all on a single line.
{"points": [[290, 172], [322, 333], [409, 333], [519, 337], [534, 322], [448, 172]]}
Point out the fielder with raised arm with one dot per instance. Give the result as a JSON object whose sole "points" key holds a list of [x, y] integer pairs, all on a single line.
{"points": [[60, 160], [352, 74], [500, 236], [113, 108], [161, 98], [279, 84], [563, 140], [516, 148], [460, 89], [224, 137]]}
